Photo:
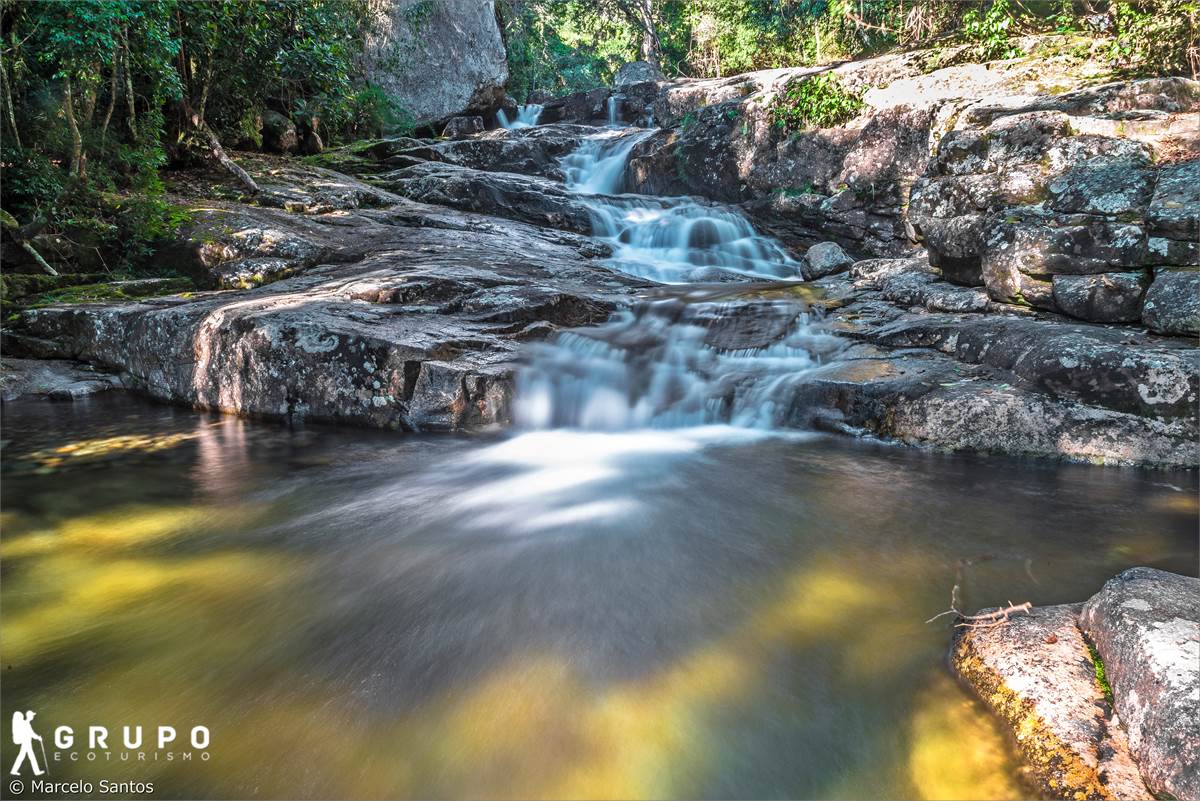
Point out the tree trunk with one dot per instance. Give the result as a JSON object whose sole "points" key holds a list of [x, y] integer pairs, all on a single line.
{"points": [[132, 116], [216, 151], [651, 45], [112, 93], [8, 104], [78, 168]]}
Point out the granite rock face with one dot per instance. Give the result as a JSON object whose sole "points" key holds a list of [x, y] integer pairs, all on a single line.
{"points": [[1173, 303], [1146, 625], [439, 59]]}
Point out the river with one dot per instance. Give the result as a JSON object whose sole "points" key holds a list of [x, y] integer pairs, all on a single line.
{"points": [[648, 596]]}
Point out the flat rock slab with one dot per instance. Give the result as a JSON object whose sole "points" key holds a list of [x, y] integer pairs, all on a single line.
{"points": [[52, 378], [1146, 626], [1036, 673]]}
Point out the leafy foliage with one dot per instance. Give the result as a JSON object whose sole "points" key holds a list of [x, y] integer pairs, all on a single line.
{"points": [[992, 30], [817, 102], [98, 96]]}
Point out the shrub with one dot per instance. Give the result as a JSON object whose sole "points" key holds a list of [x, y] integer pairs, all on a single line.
{"points": [[820, 101]]}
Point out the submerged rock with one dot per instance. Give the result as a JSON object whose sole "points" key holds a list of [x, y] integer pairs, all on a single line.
{"points": [[1146, 625]]}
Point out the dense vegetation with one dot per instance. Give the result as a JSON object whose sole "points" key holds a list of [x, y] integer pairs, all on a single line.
{"points": [[97, 96], [566, 45]]}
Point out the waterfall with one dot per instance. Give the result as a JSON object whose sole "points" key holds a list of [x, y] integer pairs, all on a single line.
{"points": [[661, 365], [672, 364], [671, 240], [527, 117], [613, 102]]}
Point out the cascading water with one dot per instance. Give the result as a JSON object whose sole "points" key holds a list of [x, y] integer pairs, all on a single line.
{"points": [[671, 240], [527, 117], [613, 102], [671, 364]]}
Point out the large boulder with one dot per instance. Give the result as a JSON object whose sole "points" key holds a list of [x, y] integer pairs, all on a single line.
{"points": [[438, 59], [825, 258], [1145, 624], [637, 72], [279, 133]]}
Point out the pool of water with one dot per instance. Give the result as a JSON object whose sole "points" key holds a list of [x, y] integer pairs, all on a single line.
{"points": [[699, 612]]}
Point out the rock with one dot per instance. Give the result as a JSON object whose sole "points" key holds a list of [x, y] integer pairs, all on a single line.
{"points": [[1145, 624], [438, 59], [421, 333], [1103, 186], [1036, 674], [519, 197], [1097, 366], [825, 258], [637, 72], [1175, 207], [530, 151], [462, 127], [1172, 304], [1104, 298], [279, 133], [57, 379], [581, 107]]}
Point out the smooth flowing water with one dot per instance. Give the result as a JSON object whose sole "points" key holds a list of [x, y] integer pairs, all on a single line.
{"points": [[527, 117], [697, 612], [670, 240]]}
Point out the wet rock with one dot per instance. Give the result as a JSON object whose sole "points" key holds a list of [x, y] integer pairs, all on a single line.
{"points": [[57, 379], [519, 197], [462, 127], [530, 151], [590, 107], [1145, 624], [1104, 298], [438, 59], [637, 72], [825, 258], [1172, 304], [1036, 673], [279, 133]]}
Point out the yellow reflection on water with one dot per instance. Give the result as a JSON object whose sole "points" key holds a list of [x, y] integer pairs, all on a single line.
{"points": [[182, 630], [957, 748]]}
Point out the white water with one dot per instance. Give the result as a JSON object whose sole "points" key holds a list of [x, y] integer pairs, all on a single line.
{"points": [[612, 111], [527, 117], [670, 240], [670, 364]]}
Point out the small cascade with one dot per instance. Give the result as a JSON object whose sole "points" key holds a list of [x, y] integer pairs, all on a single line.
{"points": [[614, 102], [527, 117], [670, 363], [672, 240]]}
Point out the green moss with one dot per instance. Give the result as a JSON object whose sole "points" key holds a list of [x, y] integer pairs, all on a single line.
{"points": [[108, 292], [1101, 679]]}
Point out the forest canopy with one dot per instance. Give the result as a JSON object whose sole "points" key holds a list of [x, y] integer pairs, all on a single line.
{"points": [[570, 45]]}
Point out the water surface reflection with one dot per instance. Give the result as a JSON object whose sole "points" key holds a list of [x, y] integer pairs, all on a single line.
{"points": [[699, 612]]}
